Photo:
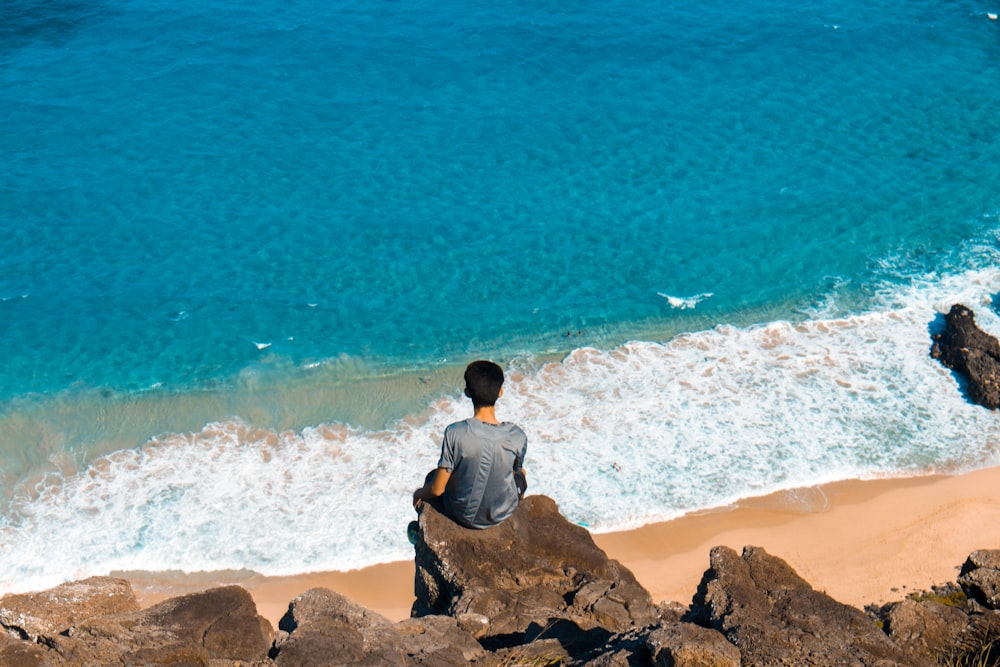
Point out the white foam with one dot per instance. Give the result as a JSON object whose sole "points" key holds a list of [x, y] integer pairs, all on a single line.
{"points": [[685, 302], [640, 433]]}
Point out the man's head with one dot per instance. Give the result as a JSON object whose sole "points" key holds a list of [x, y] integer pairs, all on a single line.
{"points": [[483, 383]]}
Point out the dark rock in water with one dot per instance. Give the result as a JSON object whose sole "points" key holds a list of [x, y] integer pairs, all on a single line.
{"points": [[534, 575], [325, 628], [980, 577], [774, 617], [971, 352], [41, 616]]}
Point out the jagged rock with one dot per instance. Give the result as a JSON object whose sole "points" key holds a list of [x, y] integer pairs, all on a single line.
{"points": [[979, 643], [536, 574], [690, 645], [326, 628], [774, 617], [539, 652], [625, 649], [971, 352], [22, 653], [438, 641], [925, 627], [980, 577], [219, 624], [42, 615]]}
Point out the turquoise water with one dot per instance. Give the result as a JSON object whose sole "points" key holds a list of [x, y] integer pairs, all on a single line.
{"points": [[272, 234]]}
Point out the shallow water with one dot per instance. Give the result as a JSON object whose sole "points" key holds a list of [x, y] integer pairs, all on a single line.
{"points": [[246, 251]]}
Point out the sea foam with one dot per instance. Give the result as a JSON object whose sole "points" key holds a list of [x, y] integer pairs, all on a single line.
{"points": [[643, 432]]}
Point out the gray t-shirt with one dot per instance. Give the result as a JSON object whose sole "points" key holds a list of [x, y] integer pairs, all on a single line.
{"points": [[482, 458]]}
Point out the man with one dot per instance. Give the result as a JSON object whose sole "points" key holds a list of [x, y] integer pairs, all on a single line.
{"points": [[480, 474]]}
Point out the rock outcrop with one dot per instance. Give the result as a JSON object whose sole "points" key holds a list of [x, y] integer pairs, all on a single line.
{"points": [[40, 617], [532, 591], [980, 577], [536, 574], [322, 627], [97, 622], [774, 617], [972, 353]]}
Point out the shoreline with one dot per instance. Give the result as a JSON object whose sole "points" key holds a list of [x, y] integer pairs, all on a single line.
{"points": [[860, 541]]}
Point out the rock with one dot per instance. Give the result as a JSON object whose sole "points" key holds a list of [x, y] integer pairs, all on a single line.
{"points": [[536, 574], [980, 577], [541, 652], [971, 352], [325, 628], [925, 627], [979, 643], [690, 645], [438, 640], [22, 653], [774, 617], [220, 624], [41, 616]]}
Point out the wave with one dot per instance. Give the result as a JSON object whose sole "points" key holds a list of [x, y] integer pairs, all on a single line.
{"points": [[643, 432], [685, 302]]}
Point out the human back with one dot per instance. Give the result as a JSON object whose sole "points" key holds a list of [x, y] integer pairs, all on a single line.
{"points": [[480, 474], [483, 458]]}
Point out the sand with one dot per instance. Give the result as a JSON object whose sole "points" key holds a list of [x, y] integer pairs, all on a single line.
{"points": [[859, 541]]}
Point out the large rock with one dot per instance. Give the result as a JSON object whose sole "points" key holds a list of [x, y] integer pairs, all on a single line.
{"points": [[774, 617], [22, 653], [690, 645], [220, 624], [325, 628], [926, 627], [43, 615], [534, 575], [971, 352], [980, 577]]}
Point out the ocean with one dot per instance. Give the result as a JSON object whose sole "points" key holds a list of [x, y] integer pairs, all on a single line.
{"points": [[246, 250]]}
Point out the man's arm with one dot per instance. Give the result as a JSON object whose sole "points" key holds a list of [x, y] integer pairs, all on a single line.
{"points": [[433, 488]]}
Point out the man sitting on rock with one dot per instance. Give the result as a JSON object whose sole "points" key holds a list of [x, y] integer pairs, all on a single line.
{"points": [[480, 475]]}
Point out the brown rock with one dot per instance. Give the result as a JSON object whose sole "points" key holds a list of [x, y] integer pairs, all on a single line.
{"points": [[690, 645], [23, 653], [43, 615], [438, 641], [535, 573], [980, 577], [325, 628], [774, 617], [971, 352], [979, 643], [217, 624], [925, 627]]}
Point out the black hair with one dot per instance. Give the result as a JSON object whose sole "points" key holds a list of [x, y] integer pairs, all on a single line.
{"points": [[483, 380]]}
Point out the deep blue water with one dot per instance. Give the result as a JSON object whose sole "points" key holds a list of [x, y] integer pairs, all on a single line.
{"points": [[298, 214]]}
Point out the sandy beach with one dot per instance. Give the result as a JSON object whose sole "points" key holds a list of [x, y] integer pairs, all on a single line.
{"points": [[859, 541]]}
